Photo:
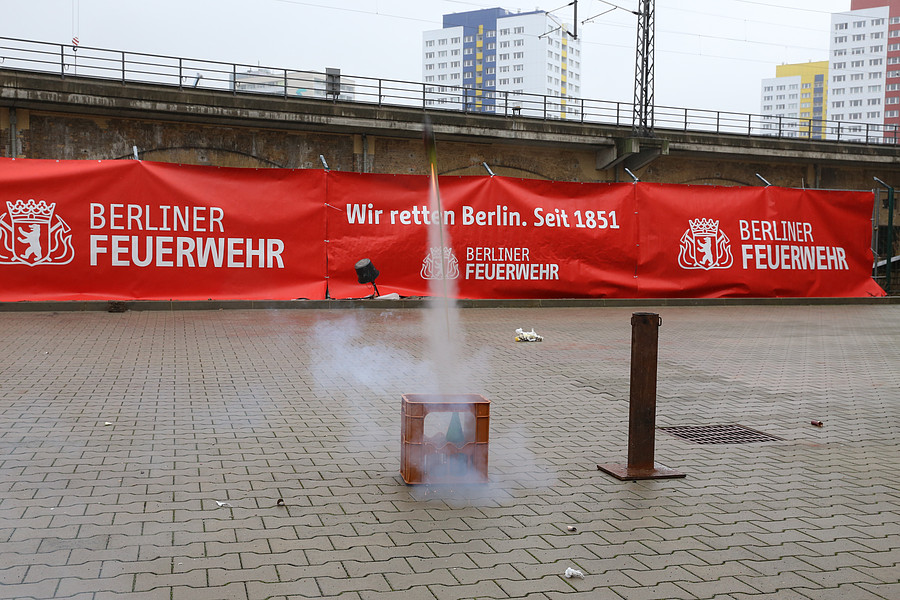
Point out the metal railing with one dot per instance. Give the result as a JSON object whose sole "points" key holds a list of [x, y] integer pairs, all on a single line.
{"points": [[136, 67]]}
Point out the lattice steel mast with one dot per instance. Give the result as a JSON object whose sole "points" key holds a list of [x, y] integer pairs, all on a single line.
{"points": [[642, 115]]}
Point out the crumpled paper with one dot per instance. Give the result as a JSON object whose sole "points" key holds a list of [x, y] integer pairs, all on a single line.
{"points": [[570, 573], [528, 336]]}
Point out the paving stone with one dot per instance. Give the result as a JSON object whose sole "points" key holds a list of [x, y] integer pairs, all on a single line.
{"points": [[251, 406]]}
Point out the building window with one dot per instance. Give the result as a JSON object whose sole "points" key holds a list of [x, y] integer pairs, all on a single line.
{"points": [[877, 22], [859, 24], [874, 89], [876, 49], [875, 75], [429, 43], [519, 30], [892, 114], [873, 115], [504, 44], [839, 78], [518, 55], [469, 39], [874, 102], [877, 35], [837, 104], [490, 33], [442, 42], [857, 63], [840, 39], [518, 42], [875, 61], [518, 79], [892, 100], [842, 52], [840, 26], [429, 55], [859, 50], [504, 31], [839, 65]]}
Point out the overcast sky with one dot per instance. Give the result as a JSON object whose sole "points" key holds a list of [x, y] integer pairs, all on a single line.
{"points": [[709, 53]]}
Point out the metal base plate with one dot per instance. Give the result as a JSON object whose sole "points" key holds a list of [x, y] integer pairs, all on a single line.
{"points": [[624, 473]]}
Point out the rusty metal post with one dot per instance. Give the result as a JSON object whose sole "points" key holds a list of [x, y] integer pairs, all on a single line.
{"points": [[642, 404]]}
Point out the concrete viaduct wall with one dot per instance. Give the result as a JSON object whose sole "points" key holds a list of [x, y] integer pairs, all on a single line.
{"points": [[46, 116]]}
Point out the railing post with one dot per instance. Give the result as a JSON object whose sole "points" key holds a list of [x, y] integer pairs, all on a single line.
{"points": [[867, 133], [506, 103], [685, 119], [890, 233], [62, 61], [180, 76], [582, 110], [379, 92], [718, 116], [123, 67], [234, 79], [545, 108], [749, 125], [285, 84]]}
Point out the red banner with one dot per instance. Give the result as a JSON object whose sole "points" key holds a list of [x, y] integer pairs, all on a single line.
{"points": [[709, 242], [505, 238], [114, 230], [82, 230]]}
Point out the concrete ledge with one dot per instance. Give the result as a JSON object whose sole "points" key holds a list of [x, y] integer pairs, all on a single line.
{"points": [[171, 305]]}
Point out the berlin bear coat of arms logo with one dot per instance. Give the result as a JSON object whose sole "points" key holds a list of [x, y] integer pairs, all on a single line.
{"points": [[31, 234], [705, 246]]}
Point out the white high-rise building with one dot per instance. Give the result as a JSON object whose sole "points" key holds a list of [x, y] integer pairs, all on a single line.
{"points": [[494, 60], [858, 75]]}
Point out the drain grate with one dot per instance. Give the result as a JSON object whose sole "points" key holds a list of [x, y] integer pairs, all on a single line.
{"points": [[720, 434]]}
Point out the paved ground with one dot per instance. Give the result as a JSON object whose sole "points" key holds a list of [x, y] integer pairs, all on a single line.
{"points": [[121, 434]]}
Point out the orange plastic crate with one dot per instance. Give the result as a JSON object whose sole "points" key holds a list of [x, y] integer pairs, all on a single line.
{"points": [[434, 459]]}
